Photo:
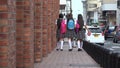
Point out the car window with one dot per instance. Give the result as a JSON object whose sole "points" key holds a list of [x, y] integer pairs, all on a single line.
{"points": [[112, 27], [95, 30], [84, 30], [118, 32]]}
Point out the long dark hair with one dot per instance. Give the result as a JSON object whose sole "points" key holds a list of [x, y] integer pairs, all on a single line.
{"points": [[59, 21], [69, 16], [80, 21]]}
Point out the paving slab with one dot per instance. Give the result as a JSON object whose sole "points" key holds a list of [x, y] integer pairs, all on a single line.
{"points": [[67, 59]]}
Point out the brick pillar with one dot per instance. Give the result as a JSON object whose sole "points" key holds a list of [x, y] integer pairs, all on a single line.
{"points": [[53, 25], [38, 49], [55, 12], [45, 29], [7, 34], [56, 8], [49, 25], [25, 33]]}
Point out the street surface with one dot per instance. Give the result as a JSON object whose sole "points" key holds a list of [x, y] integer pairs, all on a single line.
{"points": [[109, 41]]}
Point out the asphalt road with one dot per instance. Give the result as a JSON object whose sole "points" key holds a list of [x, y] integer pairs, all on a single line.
{"points": [[109, 41]]}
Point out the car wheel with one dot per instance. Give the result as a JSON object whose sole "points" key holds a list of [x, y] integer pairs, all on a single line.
{"points": [[102, 44], [105, 38], [115, 40]]}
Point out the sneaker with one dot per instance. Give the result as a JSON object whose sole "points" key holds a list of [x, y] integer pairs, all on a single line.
{"points": [[74, 46], [79, 49], [57, 49], [61, 49], [70, 49]]}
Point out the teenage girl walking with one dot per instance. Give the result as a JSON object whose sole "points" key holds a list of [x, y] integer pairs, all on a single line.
{"points": [[80, 34], [60, 36], [70, 34]]}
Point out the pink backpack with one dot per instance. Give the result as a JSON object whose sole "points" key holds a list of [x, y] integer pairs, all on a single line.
{"points": [[63, 27], [77, 26]]}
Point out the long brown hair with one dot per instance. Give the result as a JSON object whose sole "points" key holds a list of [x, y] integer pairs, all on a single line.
{"points": [[80, 21]]}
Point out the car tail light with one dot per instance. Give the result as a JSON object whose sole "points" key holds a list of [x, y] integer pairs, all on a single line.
{"points": [[89, 33], [102, 33], [106, 30]]}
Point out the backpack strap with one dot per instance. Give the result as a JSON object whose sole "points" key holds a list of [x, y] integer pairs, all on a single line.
{"points": [[59, 23]]}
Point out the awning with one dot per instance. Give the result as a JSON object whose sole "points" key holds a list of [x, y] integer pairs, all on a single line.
{"points": [[107, 7], [62, 2]]}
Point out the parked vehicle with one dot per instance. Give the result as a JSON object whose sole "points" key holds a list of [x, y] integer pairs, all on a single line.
{"points": [[96, 35], [102, 26], [110, 31], [116, 37]]}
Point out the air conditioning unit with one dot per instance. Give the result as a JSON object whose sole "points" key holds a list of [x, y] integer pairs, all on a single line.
{"points": [[118, 4]]}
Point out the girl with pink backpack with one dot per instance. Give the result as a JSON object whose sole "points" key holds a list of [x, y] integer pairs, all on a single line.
{"points": [[79, 32], [60, 34]]}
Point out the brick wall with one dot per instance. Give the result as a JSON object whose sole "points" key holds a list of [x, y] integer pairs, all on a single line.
{"points": [[7, 34], [54, 16], [37, 30], [49, 25], [45, 33], [45, 29], [25, 33]]}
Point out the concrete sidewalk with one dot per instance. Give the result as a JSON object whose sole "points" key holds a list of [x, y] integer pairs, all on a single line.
{"points": [[66, 59]]}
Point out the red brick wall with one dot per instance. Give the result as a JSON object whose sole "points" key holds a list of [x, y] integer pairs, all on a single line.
{"points": [[37, 30], [49, 25], [25, 33], [55, 13], [45, 33], [50, 14], [45, 29], [7, 34]]}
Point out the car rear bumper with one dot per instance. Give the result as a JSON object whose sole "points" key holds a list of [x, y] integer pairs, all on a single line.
{"points": [[100, 41], [109, 35]]}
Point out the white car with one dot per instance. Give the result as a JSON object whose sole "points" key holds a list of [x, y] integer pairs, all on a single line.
{"points": [[94, 35]]}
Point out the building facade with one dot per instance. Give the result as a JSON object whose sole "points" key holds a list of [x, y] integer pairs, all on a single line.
{"points": [[63, 5], [118, 12], [105, 11], [93, 11], [84, 10], [109, 10]]}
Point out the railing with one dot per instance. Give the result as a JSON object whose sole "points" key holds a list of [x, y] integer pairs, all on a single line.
{"points": [[105, 56]]}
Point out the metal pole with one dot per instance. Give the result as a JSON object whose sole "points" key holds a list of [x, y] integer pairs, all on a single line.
{"points": [[70, 6]]}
